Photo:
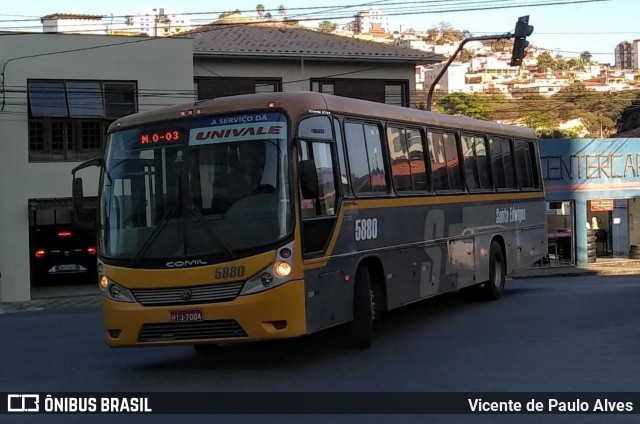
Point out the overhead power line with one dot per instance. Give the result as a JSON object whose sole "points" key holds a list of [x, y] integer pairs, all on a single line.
{"points": [[422, 7]]}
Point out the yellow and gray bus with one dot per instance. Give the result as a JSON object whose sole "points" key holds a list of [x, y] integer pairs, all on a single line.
{"points": [[277, 215]]}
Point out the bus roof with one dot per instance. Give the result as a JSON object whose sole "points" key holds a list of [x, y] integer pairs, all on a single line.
{"points": [[302, 102]]}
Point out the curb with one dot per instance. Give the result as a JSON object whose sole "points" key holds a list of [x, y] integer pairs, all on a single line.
{"points": [[559, 274], [581, 273]]}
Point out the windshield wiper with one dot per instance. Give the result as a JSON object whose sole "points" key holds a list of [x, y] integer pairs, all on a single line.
{"points": [[152, 237], [212, 235]]}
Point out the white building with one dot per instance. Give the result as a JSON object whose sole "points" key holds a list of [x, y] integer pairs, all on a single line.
{"points": [[154, 23], [74, 23], [452, 81], [544, 85], [493, 65], [56, 115], [157, 23], [370, 21]]}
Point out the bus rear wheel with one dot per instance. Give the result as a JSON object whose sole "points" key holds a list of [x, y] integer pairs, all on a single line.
{"points": [[494, 288], [361, 328]]}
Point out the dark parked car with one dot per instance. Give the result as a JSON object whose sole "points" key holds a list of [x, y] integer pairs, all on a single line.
{"points": [[61, 253]]}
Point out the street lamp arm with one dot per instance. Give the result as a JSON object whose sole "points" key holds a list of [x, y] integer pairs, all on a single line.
{"points": [[455, 54]]}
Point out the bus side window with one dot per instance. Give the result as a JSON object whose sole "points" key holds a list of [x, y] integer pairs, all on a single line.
{"points": [[502, 163], [326, 182], [407, 159], [524, 165], [366, 158], [445, 164], [344, 179], [318, 215], [325, 204], [476, 162]]}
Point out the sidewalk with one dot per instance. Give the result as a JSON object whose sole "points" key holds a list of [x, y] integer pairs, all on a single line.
{"points": [[59, 297], [88, 296], [604, 267]]}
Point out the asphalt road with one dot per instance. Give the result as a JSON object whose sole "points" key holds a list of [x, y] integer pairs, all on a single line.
{"points": [[571, 334]]}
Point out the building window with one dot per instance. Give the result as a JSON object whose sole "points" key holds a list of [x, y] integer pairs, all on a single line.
{"points": [[68, 120], [394, 92], [211, 88]]}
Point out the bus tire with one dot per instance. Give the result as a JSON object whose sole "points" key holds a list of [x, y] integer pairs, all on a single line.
{"points": [[494, 288], [361, 330]]}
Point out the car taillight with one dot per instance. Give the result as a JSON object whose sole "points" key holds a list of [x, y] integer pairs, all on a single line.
{"points": [[64, 234], [91, 250], [41, 253]]}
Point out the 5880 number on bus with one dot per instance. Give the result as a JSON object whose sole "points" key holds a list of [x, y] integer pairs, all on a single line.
{"points": [[366, 229]]}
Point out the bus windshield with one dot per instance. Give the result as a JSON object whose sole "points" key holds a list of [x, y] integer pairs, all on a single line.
{"points": [[205, 186]]}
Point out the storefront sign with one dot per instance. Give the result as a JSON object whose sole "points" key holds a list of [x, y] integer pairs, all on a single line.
{"points": [[559, 234], [601, 205]]}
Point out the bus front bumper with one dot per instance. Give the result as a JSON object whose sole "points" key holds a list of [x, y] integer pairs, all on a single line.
{"points": [[275, 313]]}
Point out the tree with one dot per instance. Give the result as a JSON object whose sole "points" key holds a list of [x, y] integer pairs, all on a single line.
{"points": [[585, 58], [225, 14], [432, 36], [260, 9], [466, 55], [282, 10], [464, 104], [561, 64], [569, 133], [327, 26], [629, 118], [572, 63], [546, 62], [537, 120]]}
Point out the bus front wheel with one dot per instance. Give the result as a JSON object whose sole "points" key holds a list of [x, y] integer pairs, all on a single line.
{"points": [[494, 288], [361, 331]]}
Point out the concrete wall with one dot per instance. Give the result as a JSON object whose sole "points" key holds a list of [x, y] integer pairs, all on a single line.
{"points": [[296, 74], [634, 221], [159, 66]]}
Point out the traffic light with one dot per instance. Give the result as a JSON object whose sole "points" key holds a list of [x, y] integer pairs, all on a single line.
{"points": [[520, 43]]}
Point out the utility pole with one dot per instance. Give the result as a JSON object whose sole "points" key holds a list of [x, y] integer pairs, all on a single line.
{"points": [[523, 29]]}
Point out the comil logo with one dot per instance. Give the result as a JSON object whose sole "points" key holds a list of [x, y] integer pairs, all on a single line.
{"points": [[23, 403]]}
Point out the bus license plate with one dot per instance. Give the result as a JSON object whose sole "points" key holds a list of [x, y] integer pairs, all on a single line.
{"points": [[185, 316]]}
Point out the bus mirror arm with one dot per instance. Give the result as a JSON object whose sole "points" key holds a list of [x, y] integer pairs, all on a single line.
{"points": [[77, 195], [91, 162], [308, 179]]}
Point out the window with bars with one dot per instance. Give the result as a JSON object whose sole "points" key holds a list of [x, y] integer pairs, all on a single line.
{"points": [[392, 92], [68, 119], [211, 88]]}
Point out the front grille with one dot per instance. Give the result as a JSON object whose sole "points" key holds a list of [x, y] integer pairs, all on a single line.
{"points": [[188, 295], [215, 329]]}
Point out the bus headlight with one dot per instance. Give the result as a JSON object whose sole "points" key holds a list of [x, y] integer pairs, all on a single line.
{"points": [[273, 276], [281, 269], [115, 291]]}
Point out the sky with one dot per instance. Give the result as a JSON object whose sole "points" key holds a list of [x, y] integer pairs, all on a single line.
{"points": [[571, 28]]}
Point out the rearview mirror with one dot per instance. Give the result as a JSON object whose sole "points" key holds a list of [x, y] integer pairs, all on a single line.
{"points": [[308, 179], [77, 197], [80, 218]]}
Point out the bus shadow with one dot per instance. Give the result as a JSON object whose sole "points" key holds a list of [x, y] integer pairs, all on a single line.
{"points": [[327, 345]]}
